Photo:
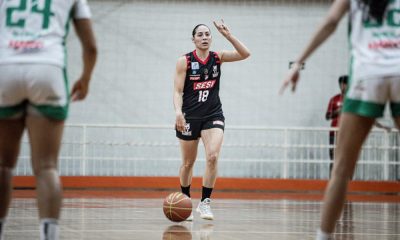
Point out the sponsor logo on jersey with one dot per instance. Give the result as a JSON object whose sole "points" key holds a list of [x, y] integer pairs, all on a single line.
{"points": [[25, 45], [384, 44], [187, 131], [215, 71], [218, 122], [194, 77], [195, 65], [204, 85]]}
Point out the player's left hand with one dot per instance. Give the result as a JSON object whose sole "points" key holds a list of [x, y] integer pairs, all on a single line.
{"points": [[291, 79], [222, 28], [79, 90]]}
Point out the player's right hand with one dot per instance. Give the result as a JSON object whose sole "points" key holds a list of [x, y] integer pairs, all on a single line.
{"points": [[180, 122]]}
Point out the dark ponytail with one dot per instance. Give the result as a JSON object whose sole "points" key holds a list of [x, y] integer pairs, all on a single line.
{"points": [[374, 8]]}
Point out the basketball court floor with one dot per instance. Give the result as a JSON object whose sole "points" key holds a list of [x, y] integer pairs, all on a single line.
{"points": [[105, 215]]}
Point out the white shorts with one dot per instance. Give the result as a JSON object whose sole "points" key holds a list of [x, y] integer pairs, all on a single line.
{"points": [[368, 96], [33, 88]]}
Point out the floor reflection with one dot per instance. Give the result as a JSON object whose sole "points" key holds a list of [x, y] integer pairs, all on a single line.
{"points": [[206, 231], [177, 232]]}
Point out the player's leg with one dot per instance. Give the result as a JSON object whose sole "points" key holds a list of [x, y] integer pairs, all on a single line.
{"points": [[45, 138], [10, 137], [212, 137], [395, 108], [12, 107], [189, 154], [189, 142], [48, 98], [353, 131]]}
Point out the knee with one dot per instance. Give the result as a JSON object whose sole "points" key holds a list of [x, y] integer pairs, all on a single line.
{"points": [[188, 165], [44, 167], [212, 159]]}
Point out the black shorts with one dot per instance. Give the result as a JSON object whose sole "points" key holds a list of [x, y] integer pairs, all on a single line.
{"points": [[193, 128]]}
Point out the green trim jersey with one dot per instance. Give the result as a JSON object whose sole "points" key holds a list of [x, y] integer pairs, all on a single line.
{"points": [[375, 63], [34, 31], [375, 47]]}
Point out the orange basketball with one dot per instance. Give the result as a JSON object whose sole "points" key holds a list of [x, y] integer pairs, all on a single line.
{"points": [[177, 207]]}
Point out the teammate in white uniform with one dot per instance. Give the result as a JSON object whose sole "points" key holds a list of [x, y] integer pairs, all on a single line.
{"points": [[34, 93], [374, 81]]}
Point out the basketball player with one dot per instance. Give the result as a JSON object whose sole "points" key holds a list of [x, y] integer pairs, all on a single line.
{"points": [[374, 80], [198, 107], [34, 94]]}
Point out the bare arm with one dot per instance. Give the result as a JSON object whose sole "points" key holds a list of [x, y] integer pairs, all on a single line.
{"points": [[179, 83], [328, 26], [241, 51], [85, 34]]}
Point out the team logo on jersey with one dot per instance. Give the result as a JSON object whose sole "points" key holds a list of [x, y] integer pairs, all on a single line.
{"points": [[187, 131], [205, 71], [204, 85], [194, 72], [194, 77], [195, 65], [215, 71]]}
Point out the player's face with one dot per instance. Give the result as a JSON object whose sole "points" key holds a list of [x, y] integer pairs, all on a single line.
{"points": [[202, 38], [343, 87]]}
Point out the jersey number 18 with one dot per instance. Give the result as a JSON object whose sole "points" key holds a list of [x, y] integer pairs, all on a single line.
{"points": [[203, 95]]}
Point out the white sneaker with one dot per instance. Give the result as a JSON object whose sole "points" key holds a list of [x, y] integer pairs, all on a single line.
{"points": [[205, 210], [190, 218]]}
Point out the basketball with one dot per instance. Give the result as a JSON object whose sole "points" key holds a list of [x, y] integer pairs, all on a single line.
{"points": [[177, 207]]}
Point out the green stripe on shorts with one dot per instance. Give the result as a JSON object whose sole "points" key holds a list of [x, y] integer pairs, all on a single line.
{"points": [[366, 109], [6, 112], [54, 112]]}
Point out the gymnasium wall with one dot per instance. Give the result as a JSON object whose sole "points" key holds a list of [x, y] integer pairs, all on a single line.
{"points": [[140, 41]]}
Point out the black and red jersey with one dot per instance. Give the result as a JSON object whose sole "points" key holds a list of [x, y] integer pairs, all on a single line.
{"points": [[201, 91]]}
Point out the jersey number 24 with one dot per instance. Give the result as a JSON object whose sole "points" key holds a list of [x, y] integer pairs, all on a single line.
{"points": [[20, 22]]}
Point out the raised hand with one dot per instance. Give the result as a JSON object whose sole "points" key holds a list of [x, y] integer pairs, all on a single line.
{"points": [[222, 28]]}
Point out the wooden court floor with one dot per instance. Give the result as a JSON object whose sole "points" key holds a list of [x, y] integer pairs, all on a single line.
{"points": [[104, 216]]}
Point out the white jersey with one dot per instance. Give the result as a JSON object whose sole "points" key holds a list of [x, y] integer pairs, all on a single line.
{"points": [[34, 31], [375, 48]]}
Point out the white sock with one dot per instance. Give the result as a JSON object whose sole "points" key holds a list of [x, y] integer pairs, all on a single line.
{"points": [[49, 229], [2, 221], [321, 235]]}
